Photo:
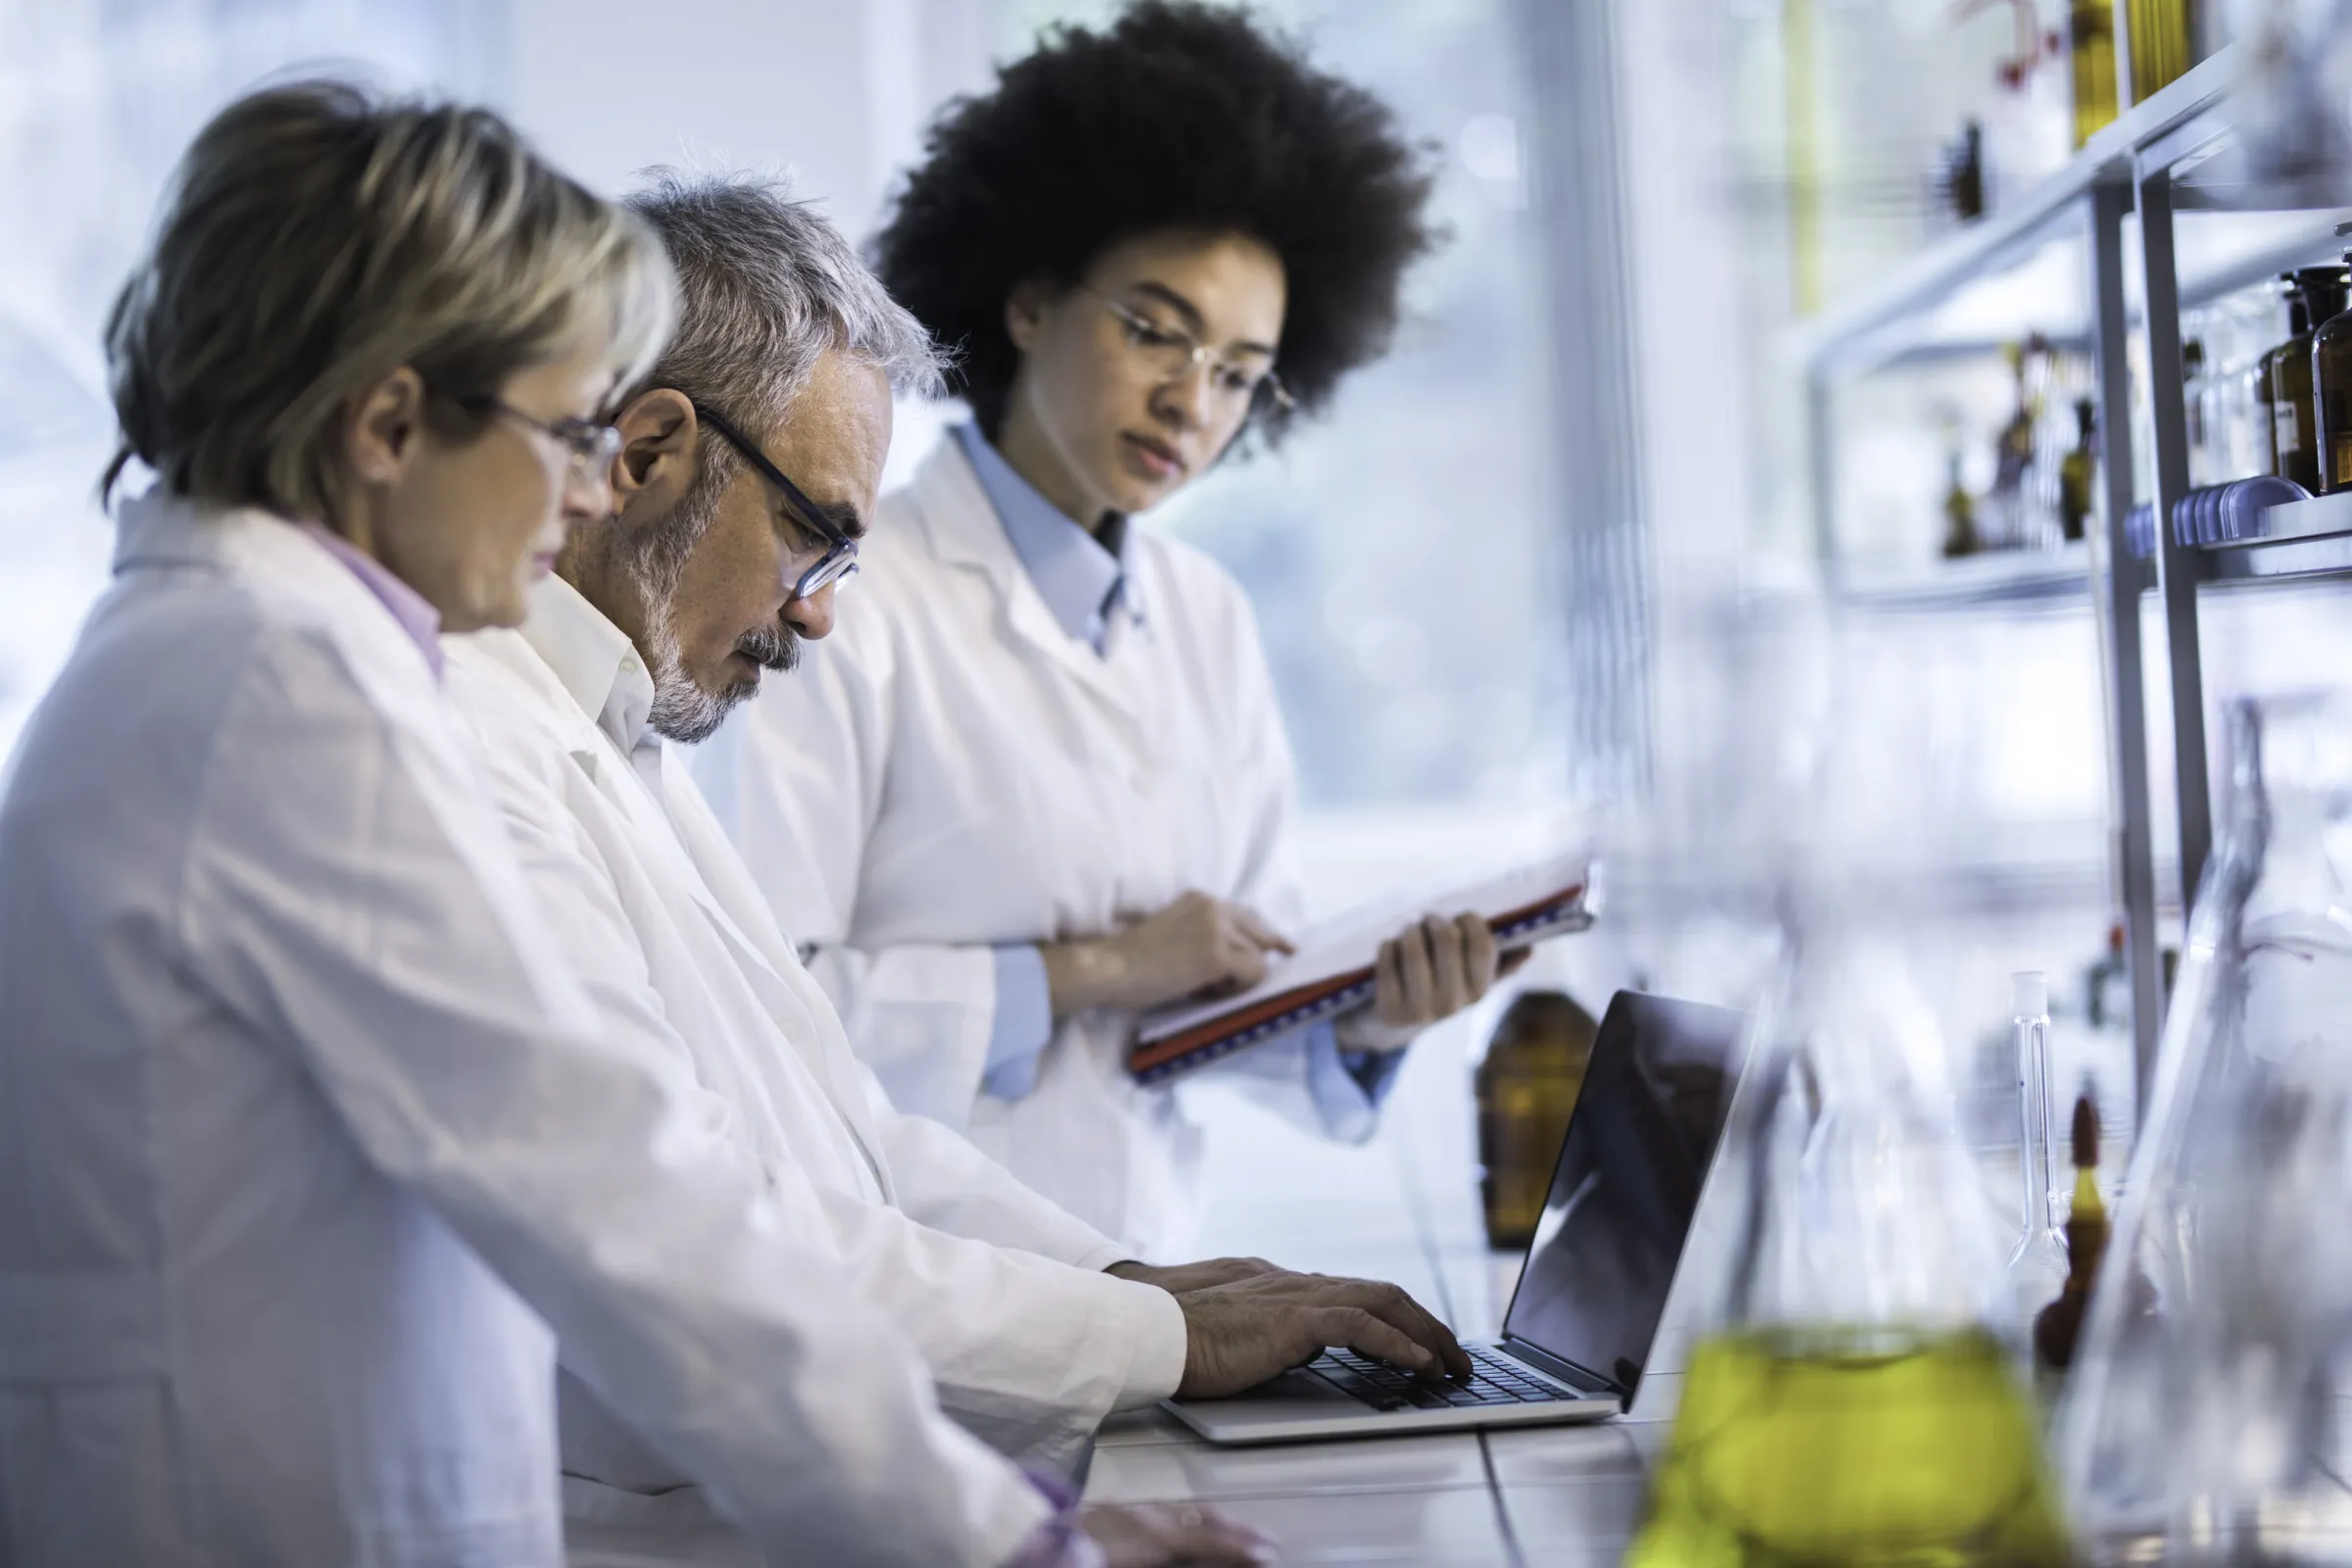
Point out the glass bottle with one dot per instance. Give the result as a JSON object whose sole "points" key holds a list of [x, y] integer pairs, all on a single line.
{"points": [[2331, 391], [2090, 50], [1846, 1401], [2193, 389], [2058, 1326], [2163, 36], [2288, 456], [1526, 1087], [2204, 1417], [2079, 472], [2037, 1263], [1960, 536], [2320, 294]]}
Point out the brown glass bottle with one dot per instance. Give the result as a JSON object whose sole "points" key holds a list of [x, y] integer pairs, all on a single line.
{"points": [[2331, 391], [1527, 1087], [2287, 371], [2078, 473]]}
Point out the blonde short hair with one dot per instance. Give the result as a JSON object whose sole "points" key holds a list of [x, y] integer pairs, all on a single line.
{"points": [[315, 240]]}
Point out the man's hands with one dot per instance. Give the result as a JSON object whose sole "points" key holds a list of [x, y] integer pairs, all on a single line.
{"points": [[1178, 1278], [1148, 1535], [1240, 1333], [1196, 944], [1430, 971]]}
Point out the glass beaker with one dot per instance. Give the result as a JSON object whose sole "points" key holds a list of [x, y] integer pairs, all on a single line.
{"points": [[2204, 1421], [1847, 1403]]}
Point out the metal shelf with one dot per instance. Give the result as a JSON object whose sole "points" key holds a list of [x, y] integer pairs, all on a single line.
{"points": [[1975, 582], [1867, 332], [2304, 539]]}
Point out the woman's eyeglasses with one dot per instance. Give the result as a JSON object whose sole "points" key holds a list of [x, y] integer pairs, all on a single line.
{"points": [[840, 558], [589, 448], [1172, 352]]}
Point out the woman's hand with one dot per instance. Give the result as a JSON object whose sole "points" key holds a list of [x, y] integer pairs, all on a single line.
{"points": [[1194, 945], [1430, 971]]}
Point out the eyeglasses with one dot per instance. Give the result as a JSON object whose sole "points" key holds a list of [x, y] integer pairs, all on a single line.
{"points": [[1173, 353], [589, 448], [840, 558]]}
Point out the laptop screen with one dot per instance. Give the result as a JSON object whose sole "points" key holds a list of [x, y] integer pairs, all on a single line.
{"points": [[1625, 1189]]}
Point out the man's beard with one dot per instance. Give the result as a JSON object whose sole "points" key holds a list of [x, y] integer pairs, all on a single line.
{"points": [[682, 710]]}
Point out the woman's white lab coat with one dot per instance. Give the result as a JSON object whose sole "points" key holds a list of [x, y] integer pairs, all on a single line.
{"points": [[950, 770], [310, 1150]]}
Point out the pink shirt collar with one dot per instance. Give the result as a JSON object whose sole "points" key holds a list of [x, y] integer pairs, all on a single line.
{"points": [[415, 613]]}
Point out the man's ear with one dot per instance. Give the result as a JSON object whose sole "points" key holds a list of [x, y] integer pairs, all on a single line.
{"points": [[380, 424], [660, 445]]}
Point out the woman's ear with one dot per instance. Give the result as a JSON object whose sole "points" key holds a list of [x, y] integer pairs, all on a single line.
{"points": [[660, 441], [1025, 313], [380, 425]]}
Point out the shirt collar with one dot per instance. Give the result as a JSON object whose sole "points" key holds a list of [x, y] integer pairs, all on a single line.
{"points": [[593, 658], [412, 610], [1081, 577]]}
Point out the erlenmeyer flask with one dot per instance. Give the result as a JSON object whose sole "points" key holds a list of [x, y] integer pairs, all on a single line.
{"points": [[2205, 1417], [1847, 1403]]}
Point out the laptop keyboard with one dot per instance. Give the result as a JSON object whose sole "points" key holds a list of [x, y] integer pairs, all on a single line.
{"points": [[1497, 1380]]}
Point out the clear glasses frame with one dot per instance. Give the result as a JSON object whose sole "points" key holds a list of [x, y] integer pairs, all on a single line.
{"points": [[1174, 354]]}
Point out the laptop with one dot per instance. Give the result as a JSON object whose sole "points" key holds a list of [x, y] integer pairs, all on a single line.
{"points": [[1593, 1286]]}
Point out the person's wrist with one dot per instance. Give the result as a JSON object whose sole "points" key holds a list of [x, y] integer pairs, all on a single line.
{"points": [[1081, 973]]}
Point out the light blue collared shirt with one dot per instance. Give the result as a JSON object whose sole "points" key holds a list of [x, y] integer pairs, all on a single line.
{"points": [[1083, 579]]}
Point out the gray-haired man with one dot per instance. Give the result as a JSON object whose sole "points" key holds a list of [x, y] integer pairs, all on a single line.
{"points": [[749, 467]]}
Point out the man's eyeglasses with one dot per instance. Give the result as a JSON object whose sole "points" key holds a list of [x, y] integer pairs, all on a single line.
{"points": [[840, 558], [1172, 352], [589, 448]]}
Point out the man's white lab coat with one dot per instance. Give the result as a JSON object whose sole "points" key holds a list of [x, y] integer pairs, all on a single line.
{"points": [[311, 1147], [649, 906], [952, 770]]}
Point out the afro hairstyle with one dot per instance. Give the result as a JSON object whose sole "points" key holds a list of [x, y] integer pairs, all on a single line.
{"points": [[1177, 115]]}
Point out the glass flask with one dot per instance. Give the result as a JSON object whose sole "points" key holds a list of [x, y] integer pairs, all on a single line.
{"points": [[1846, 1401], [2205, 1417], [2037, 1262]]}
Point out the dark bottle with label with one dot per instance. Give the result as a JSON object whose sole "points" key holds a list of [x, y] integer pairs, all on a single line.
{"points": [[2332, 389], [2319, 293], [1959, 516], [1527, 1087]]}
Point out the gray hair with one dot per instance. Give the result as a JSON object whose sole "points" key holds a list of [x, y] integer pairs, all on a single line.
{"points": [[315, 240], [768, 288]]}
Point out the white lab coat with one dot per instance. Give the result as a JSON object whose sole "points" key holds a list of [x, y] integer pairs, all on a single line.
{"points": [[950, 770], [310, 1148], [1031, 1346]]}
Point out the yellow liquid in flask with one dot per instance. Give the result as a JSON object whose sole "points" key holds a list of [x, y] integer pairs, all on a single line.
{"points": [[1852, 1448]]}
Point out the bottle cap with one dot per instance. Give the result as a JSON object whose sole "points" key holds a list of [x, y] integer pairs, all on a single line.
{"points": [[2028, 993]]}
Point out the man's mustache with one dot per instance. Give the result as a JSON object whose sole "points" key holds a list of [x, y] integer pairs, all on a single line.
{"points": [[773, 648]]}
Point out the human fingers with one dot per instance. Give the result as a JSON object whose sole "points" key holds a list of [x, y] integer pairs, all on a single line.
{"points": [[1367, 1332], [1395, 1305], [1477, 950], [1255, 928], [1449, 969], [1414, 970], [1243, 960], [1147, 1535]]}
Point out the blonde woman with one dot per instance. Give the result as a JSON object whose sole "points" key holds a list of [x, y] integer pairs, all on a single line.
{"points": [[310, 1151]]}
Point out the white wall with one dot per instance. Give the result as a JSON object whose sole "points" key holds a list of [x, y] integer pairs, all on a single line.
{"points": [[834, 93]]}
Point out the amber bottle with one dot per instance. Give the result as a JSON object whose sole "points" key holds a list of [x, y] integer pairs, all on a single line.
{"points": [[1527, 1087], [2090, 50], [2331, 391], [2288, 370], [2060, 1324], [2078, 473]]}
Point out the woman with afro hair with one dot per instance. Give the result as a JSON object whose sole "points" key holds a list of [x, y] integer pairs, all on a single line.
{"points": [[1036, 781]]}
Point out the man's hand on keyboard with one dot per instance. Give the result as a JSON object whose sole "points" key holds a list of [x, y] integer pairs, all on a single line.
{"points": [[1241, 1332]]}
